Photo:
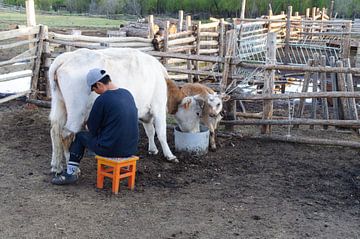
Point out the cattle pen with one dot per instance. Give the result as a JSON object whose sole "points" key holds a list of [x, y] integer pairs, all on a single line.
{"points": [[249, 59]]}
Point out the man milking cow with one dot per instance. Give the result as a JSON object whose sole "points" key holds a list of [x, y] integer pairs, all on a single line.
{"points": [[112, 126]]}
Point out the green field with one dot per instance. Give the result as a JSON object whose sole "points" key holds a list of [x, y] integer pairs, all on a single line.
{"points": [[8, 19]]}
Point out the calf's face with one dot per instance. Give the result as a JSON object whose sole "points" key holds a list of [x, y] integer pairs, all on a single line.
{"points": [[189, 113]]}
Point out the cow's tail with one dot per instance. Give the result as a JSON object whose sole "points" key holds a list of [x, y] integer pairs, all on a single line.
{"points": [[57, 116]]}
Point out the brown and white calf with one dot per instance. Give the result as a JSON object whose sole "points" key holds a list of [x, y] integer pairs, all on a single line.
{"points": [[210, 115]]}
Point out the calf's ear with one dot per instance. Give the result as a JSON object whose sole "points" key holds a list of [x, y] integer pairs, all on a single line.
{"points": [[200, 101], [224, 97], [186, 105]]}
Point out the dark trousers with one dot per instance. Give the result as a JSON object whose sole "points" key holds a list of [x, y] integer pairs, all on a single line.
{"points": [[83, 139]]}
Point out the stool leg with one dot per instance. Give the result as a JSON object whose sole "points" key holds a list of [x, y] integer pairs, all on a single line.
{"points": [[116, 179], [131, 179], [100, 177]]}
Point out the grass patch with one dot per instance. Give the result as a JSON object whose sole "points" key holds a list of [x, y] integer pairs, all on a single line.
{"points": [[66, 21]]}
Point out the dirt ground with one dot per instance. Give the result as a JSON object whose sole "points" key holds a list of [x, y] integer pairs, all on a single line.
{"points": [[246, 189]]}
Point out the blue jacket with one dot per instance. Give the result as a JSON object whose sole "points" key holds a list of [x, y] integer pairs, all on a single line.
{"points": [[113, 122]]}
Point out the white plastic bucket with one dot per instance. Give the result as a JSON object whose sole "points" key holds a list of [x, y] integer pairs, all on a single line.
{"points": [[192, 143]]}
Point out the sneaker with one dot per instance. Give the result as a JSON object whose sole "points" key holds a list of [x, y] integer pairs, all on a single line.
{"points": [[65, 179]]}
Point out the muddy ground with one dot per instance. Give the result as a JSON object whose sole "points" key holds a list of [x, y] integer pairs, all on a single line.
{"points": [[246, 189]]}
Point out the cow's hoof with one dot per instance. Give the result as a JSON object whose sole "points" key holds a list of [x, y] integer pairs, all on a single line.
{"points": [[54, 173], [173, 159], [212, 149], [153, 152]]}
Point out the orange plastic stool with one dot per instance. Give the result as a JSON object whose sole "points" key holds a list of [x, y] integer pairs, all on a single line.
{"points": [[117, 169]]}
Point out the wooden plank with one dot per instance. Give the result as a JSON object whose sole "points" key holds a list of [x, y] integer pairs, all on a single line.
{"points": [[17, 60], [342, 94], [296, 139], [193, 72], [185, 33], [209, 43], [14, 68], [181, 41], [208, 51], [14, 76], [27, 53], [319, 69], [63, 37], [19, 32], [186, 48], [78, 44], [130, 44], [15, 96], [295, 121], [18, 43], [209, 34], [209, 25]]}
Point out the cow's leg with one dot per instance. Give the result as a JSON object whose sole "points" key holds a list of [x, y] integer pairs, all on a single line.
{"points": [[57, 148], [66, 142], [150, 133], [160, 126], [213, 124], [212, 138]]}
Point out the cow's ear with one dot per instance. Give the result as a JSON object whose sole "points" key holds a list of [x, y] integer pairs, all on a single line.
{"points": [[225, 97], [200, 101]]}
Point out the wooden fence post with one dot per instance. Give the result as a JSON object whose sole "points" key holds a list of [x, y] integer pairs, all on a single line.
{"points": [[304, 89], [331, 14], [334, 87], [46, 61], [287, 36], [323, 84], [166, 41], [269, 80], [36, 66], [181, 19], [350, 88], [198, 45], [346, 46], [230, 106], [342, 87], [30, 18], [151, 26], [307, 14], [243, 6], [315, 82], [188, 27]]}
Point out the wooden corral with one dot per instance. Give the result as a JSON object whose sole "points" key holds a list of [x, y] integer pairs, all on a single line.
{"points": [[229, 56]]}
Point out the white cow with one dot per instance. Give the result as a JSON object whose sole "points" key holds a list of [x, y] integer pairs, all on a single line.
{"points": [[72, 100]]}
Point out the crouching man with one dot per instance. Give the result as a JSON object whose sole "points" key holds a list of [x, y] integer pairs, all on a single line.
{"points": [[112, 124]]}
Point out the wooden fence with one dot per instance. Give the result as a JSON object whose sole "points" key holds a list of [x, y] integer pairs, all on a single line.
{"points": [[196, 49], [27, 43]]}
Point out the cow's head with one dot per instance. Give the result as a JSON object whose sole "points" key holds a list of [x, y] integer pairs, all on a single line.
{"points": [[215, 103], [189, 113]]}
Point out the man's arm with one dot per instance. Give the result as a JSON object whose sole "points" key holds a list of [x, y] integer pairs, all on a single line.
{"points": [[95, 118]]}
